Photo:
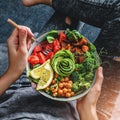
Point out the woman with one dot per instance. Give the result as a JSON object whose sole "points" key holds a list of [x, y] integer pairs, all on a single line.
{"points": [[104, 14]]}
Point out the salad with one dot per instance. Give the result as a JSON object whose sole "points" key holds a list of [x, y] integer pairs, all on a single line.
{"points": [[63, 64]]}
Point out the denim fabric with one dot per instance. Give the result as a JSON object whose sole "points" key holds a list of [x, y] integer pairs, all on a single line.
{"points": [[35, 17], [101, 13]]}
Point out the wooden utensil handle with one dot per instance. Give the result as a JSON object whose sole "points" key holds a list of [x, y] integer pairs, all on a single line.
{"points": [[16, 26], [13, 23]]}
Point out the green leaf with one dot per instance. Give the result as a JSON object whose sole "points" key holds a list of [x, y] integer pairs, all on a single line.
{"points": [[50, 39]]}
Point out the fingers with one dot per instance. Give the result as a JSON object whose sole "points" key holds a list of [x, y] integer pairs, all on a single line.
{"points": [[25, 36], [13, 37], [29, 32], [22, 38], [13, 41], [99, 77]]}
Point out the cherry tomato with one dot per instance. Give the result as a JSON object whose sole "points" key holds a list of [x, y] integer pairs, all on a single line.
{"points": [[33, 59], [37, 49]]}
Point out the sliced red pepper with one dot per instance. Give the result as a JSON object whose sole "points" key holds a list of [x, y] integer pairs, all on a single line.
{"points": [[56, 45], [62, 36], [37, 49], [42, 57], [49, 46], [50, 55]]}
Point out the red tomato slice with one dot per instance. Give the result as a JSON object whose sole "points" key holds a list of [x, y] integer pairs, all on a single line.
{"points": [[56, 45], [50, 55], [37, 49], [62, 36], [49, 46], [33, 59], [42, 57]]}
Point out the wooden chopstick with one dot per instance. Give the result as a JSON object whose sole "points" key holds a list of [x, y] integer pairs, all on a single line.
{"points": [[17, 26]]}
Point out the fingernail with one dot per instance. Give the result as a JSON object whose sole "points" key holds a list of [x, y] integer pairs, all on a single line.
{"points": [[101, 69], [24, 32]]}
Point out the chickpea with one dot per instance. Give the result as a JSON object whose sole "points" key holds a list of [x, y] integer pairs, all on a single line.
{"points": [[66, 79], [60, 92], [68, 95], [69, 85], [65, 90], [54, 90], [72, 93], [60, 85], [64, 84], [53, 82], [70, 81], [54, 94], [69, 90], [62, 80]]}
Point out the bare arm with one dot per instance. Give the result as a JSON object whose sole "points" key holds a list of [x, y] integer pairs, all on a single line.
{"points": [[18, 44]]}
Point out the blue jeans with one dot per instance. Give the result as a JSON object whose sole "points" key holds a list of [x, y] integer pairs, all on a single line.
{"points": [[104, 14]]}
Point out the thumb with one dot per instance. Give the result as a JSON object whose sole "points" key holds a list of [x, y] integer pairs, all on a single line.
{"points": [[22, 38], [96, 89], [99, 77]]}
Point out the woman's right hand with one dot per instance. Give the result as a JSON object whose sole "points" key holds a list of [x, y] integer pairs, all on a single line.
{"points": [[18, 45]]}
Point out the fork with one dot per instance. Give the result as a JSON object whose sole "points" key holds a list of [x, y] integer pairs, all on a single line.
{"points": [[46, 51]]}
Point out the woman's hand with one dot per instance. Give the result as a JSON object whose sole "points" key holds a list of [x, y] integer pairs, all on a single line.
{"points": [[87, 105], [18, 45]]}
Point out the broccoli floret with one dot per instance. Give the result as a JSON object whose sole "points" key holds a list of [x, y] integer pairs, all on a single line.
{"points": [[81, 76], [80, 68], [89, 76], [89, 64], [75, 86], [84, 84], [74, 76], [92, 47]]}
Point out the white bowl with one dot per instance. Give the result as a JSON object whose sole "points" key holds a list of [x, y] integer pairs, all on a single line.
{"points": [[76, 96]]}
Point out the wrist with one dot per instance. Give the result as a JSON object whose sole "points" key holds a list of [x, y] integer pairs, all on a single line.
{"points": [[12, 74], [6, 80], [88, 113]]}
